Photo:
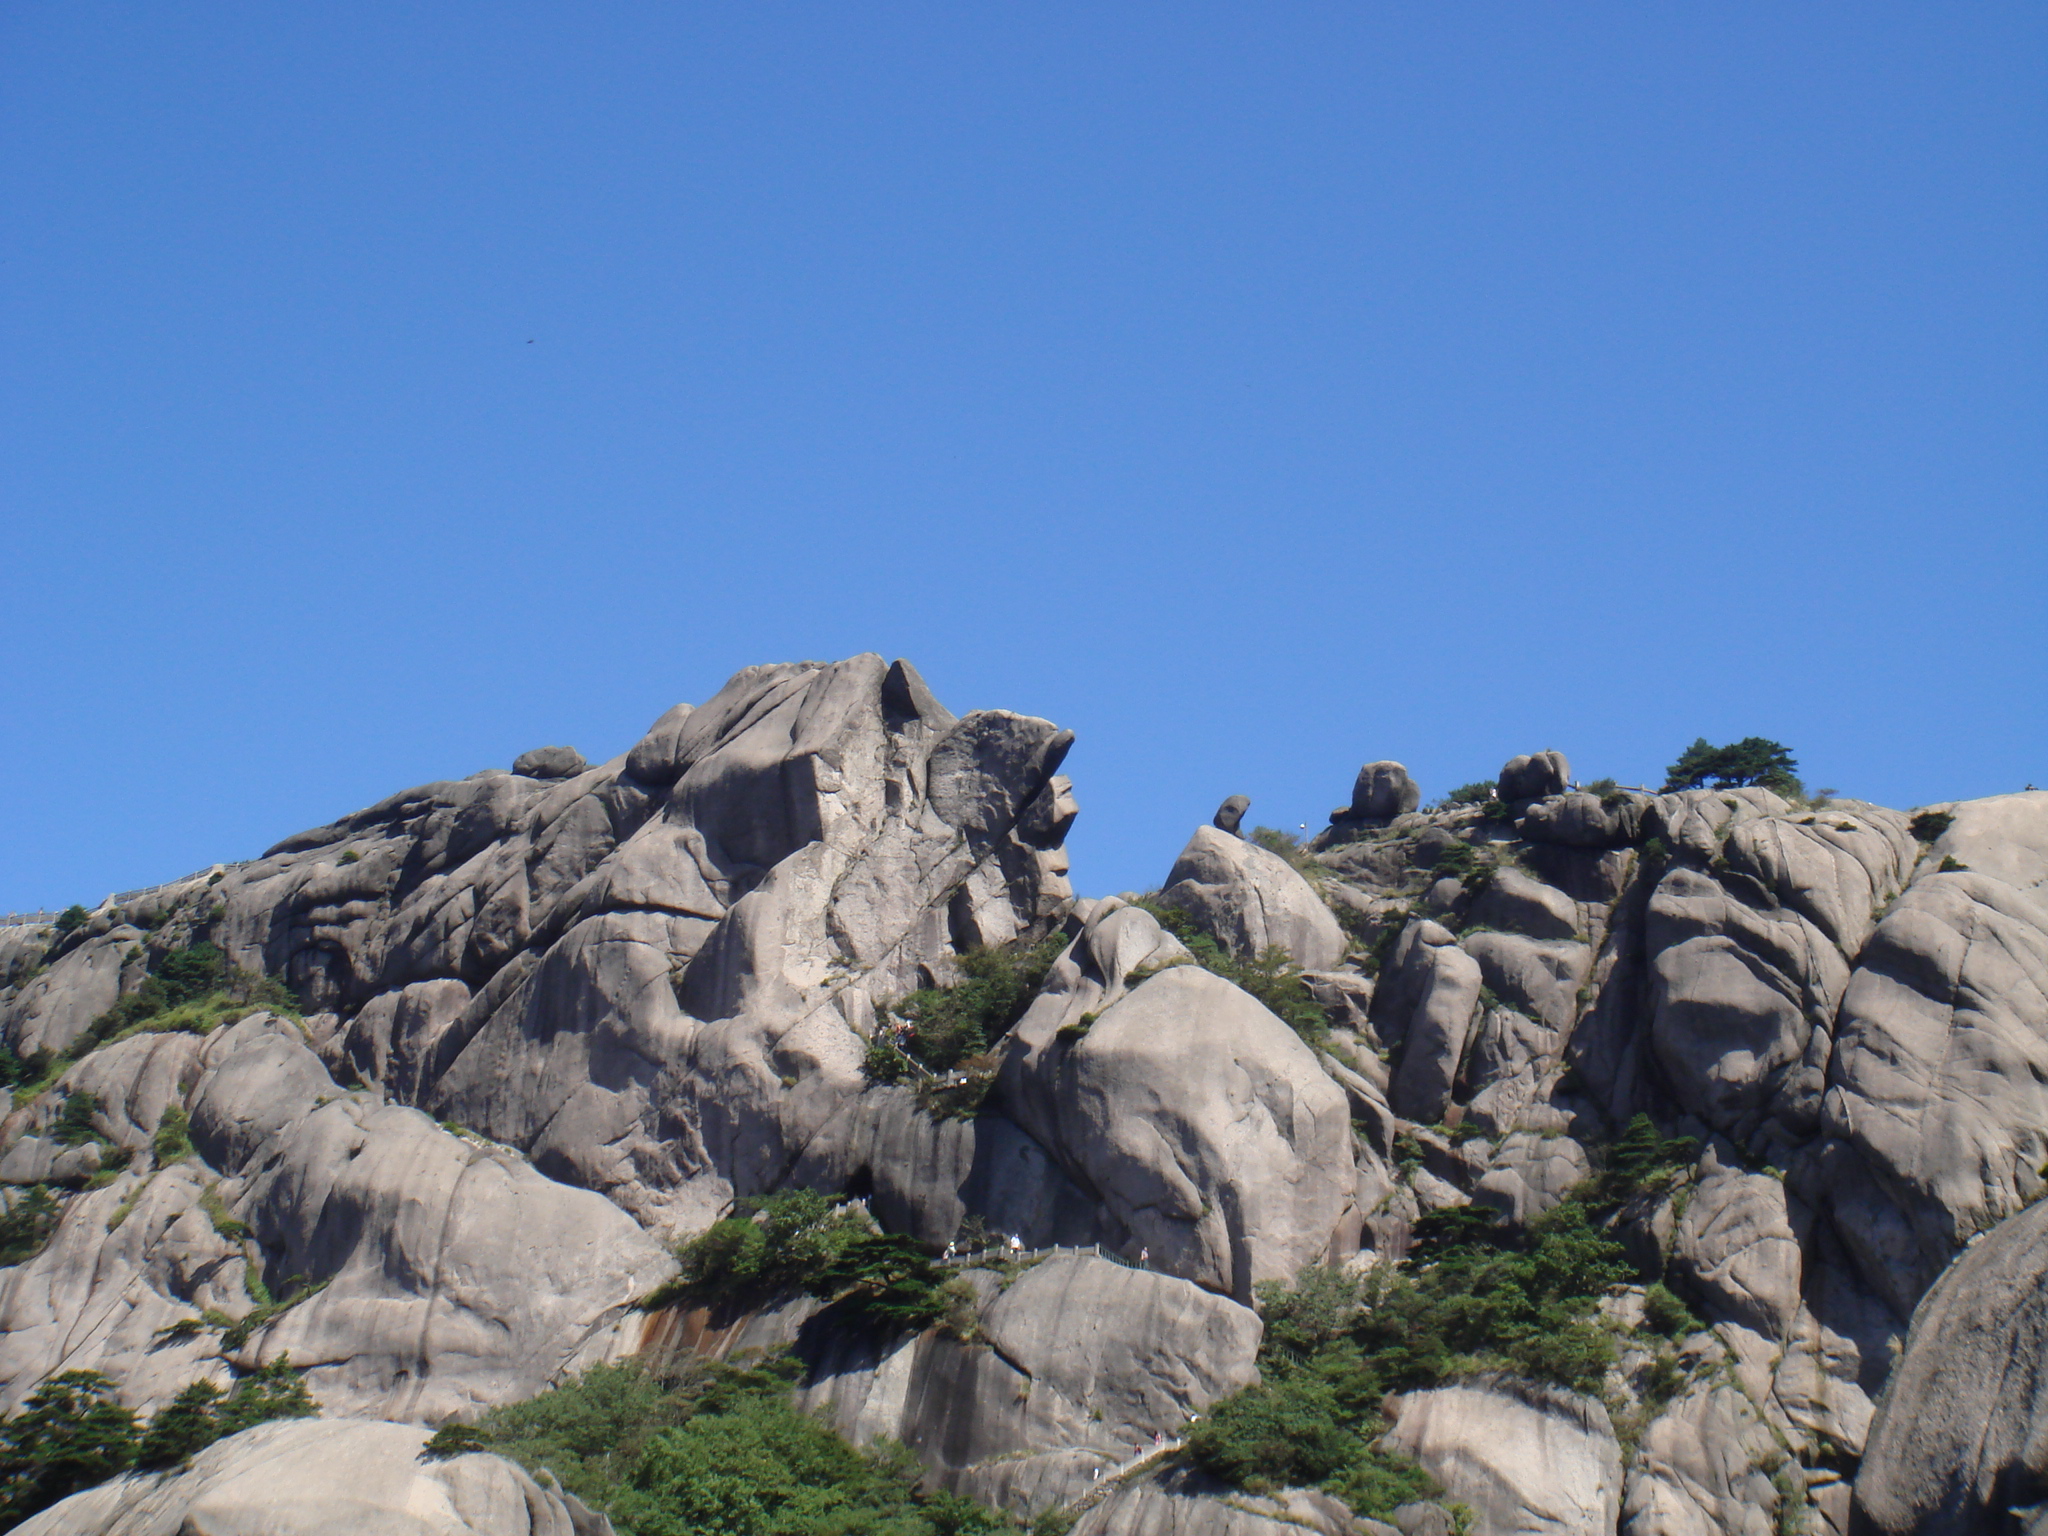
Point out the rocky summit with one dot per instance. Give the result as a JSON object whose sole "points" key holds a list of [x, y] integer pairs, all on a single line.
{"points": [[755, 1133]]}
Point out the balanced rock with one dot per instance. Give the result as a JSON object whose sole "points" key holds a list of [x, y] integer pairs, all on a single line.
{"points": [[1383, 791], [549, 763], [1230, 814], [1534, 776]]}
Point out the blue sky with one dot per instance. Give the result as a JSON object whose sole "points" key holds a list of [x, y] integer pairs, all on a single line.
{"points": [[1258, 390]]}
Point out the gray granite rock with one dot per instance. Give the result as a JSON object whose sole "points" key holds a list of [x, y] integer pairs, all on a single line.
{"points": [[1533, 776], [323, 1477], [1527, 1461], [1249, 899]]}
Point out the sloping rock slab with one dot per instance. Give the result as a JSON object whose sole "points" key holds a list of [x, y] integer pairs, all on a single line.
{"points": [[324, 1477]]}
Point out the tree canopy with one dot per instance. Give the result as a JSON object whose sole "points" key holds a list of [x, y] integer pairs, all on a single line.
{"points": [[1754, 760]]}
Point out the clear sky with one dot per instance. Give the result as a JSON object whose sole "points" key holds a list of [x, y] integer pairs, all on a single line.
{"points": [[1257, 389]]}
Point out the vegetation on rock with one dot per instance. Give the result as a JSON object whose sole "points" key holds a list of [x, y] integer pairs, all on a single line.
{"points": [[1273, 978], [947, 1031], [73, 1433], [1472, 1298], [1754, 760], [800, 1242], [720, 1451]]}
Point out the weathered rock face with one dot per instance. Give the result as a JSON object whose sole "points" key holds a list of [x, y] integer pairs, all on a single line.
{"points": [[451, 1275], [1961, 1437], [55, 1009], [1533, 776], [1181, 1505], [1703, 1469], [1937, 1080], [619, 969], [1427, 1000], [1249, 899], [635, 990], [1081, 1365], [1525, 1460], [323, 1477], [1208, 1131]]}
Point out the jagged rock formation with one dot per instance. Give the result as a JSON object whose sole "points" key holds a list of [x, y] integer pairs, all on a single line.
{"points": [[559, 1017]]}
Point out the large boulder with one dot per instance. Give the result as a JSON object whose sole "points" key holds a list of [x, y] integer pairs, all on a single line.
{"points": [[550, 763], [1583, 821], [323, 1477], [1382, 791], [1534, 776], [1079, 1365], [56, 1007], [1206, 1129], [1737, 1248], [1248, 899], [1528, 1461], [1961, 1434], [1426, 1006]]}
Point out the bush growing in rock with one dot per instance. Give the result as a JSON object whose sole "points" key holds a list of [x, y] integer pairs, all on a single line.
{"points": [[944, 1028], [1273, 978], [799, 1241], [72, 1434], [1928, 826], [1469, 1299], [27, 1225], [173, 1139], [719, 1449]]}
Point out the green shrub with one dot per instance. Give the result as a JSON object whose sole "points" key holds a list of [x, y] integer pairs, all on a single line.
{"points": [[1273, 978], [72, 1434], [183, 1427], [941, 1028], [1464, 863], [1285, 1433], [191, 990], [1951, 865], [1641, 1160], [173, 1140], [202, 1413], [721, 1450], [1288, 846], [454, 1439], [1478, 792], [73, 1125], [767, 1249], [1666, 1314], [27, 1225], [1928, 826], [1471, 1296], [72, 918]]}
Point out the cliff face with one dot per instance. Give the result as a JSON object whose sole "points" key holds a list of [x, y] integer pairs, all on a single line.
{"points": [[556, 1019]]}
